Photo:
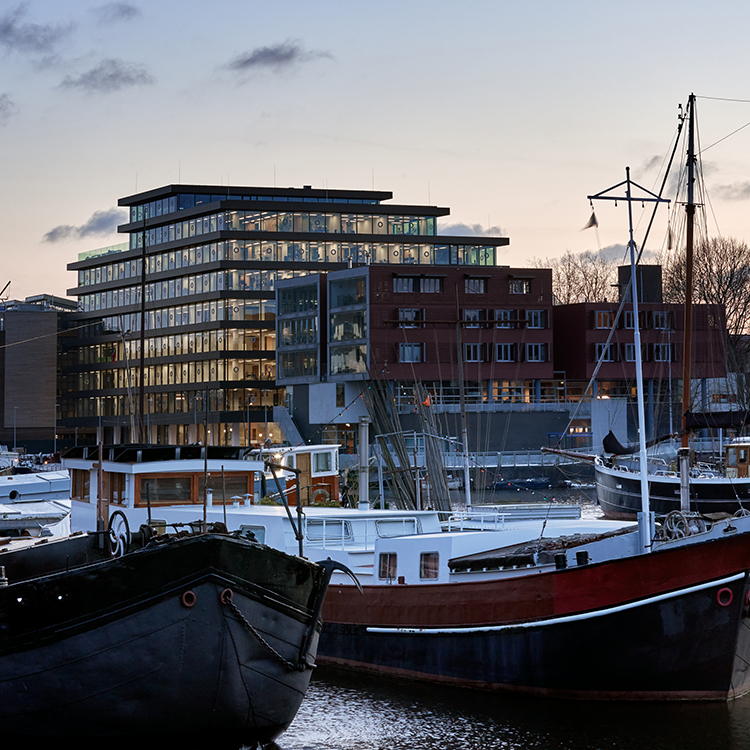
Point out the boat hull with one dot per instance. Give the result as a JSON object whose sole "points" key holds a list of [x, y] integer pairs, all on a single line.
{"points": [[150, 644], [619, 494], [643, 628]]}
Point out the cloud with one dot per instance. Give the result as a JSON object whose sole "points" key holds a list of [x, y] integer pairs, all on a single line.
{"points": [[109, 75], [100, 224], [738, 191], [116, 12], [7, 108], [470, 230], [652, 164], [29, 37], [277, 57]]}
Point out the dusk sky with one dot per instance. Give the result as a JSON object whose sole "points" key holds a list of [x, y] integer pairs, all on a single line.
{"points": [[509, 113]]}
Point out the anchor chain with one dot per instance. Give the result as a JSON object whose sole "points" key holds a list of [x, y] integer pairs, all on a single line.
{"points": [[227, 599]]}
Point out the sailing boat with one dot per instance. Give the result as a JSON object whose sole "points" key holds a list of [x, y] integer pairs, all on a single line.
{"points": [[701, 489]]}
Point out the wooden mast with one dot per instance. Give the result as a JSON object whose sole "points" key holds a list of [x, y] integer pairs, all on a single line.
{"points": [[690, 210]]}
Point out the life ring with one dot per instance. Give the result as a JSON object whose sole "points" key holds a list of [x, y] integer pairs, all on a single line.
{"points": [[320, 493], [724, 597], [225, 597]]}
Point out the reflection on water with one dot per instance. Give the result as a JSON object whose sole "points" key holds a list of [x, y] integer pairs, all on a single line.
{"points": [[347, 711]]}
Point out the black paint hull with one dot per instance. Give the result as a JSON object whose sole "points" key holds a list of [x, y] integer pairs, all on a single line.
{"points": [[147, 645], [619, 494], [672, 625]]}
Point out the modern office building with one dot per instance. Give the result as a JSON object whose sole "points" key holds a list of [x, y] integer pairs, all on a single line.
{"points": [[177, 337]]}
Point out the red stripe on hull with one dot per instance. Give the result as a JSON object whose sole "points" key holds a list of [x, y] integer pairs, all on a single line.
{"points": [[538, 595]]}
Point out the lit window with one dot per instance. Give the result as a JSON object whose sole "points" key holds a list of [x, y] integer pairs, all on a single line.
{"points": [[520, 286], [428, 565], [604, 319]]}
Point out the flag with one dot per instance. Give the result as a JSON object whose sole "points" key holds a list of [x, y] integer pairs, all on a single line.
{"points": [[669, 238], [427, 401], [592, 222]]}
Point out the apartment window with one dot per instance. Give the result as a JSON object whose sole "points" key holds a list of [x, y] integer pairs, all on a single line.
{"points": [[473, 352], [520, 286], [661, 320], [536, 318], [410, 353], [430, 285], [505, 352], [536, 352], [429, 565], [605, 352], [662, 353], [403, 284], [475, 286], [604, 319], [473, 318], [387, 566], [504, 318], [410, 317]]}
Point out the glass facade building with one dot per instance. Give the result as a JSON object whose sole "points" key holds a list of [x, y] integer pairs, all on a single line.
{"points": [[175, 334]]}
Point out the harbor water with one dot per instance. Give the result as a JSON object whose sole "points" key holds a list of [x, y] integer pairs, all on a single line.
{"points": [[349, 711]]}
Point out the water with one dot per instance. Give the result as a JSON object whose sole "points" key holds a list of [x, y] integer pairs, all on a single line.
{"points": [[348, 711]]}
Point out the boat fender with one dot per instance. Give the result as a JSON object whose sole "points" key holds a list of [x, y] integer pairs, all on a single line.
{"points": [[188, 599], [724, 597], [225, 597]]}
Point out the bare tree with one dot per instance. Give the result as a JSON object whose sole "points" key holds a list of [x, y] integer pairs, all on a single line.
{"points": [[581, 277], [721, 275]]}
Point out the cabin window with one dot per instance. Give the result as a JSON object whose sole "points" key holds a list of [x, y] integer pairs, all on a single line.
{"points": [[397, 527], [258, 531], [428, 564], [387, 565], [732, 457], [322, 463], [328, 530], [80, 485]]}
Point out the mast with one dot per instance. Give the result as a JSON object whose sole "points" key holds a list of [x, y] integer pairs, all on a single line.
{"points": [[645, 516], [684, 451], [690, 211]]}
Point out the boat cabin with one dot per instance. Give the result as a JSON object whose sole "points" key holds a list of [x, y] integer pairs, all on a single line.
{"points": [[737, 459]]}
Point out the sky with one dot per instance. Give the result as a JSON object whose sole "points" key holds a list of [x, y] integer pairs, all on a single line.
{"points": [[509, 113]]}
